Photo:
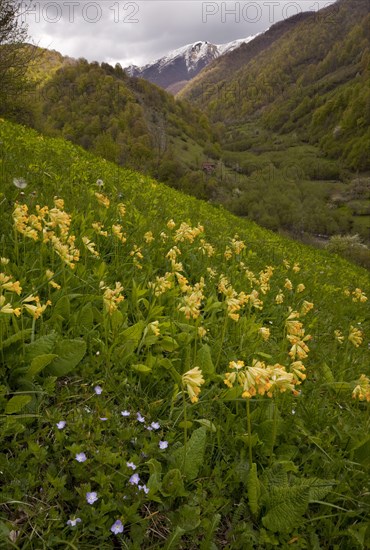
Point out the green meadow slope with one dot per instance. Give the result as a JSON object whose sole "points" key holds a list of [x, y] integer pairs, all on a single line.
{"points": [[171, 376]]}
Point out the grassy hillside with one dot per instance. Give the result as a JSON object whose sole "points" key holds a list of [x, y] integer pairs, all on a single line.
{"points": [[313, 79], [294, 105], [171, 376], [125, 120]]}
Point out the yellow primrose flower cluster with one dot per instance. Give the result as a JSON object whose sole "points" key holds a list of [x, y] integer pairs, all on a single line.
{"points": [[263, 379], [192, 380], [102, 199], [234, 301], [90, 246], [187, 233], [249, 274], [48, 225], [236, 247], [99, 228], [162, 284], [264, 279], [136, 255], [296, 336], [111, 297], [359, 296], [206, 248], [362, 390], [35, 309], [172, 256], [192, 302], [355, 336]]}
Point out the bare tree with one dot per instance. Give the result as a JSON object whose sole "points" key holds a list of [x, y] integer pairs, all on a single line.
{"points": [[15, 54]]}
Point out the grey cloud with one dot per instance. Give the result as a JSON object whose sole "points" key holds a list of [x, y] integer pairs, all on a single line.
{"points": [[143, 30]]}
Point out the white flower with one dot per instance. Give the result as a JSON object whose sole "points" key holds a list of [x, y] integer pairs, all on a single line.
{"points": [[20, 183], [61, 424], [163, 444]]}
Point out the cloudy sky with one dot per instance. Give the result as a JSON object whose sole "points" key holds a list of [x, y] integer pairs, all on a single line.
{"points": [[140, 31]]}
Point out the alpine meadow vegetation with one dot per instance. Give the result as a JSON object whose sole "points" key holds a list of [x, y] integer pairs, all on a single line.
{"points": [[171, 376]]}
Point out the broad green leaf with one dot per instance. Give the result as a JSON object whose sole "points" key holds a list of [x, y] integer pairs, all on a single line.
{"points": [[134, 333], [41, 346], [39, 363], [207, 424], [168, 344], [62, 308], [188, 517], [172, 484], [144, 369], [18, 336], [285, 508], [86, 316], [191, 462], [70, 353], [204, 360], [154, 482], [17, 403]]}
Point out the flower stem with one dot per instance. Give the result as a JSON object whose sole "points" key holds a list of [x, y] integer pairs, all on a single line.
{"points": [[249, 425], [221, 342]]}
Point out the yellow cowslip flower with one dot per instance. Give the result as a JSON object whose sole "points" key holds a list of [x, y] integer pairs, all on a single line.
{"points": [[355, 336], [187, 233], [7, 308], [300, 287], [236, 376], [306, 307], [98, 227], [346, 292], [362, 390], [265, 333], [202, 332], [155, 328], [296, 268], [111, 297], [293, 326], [4, 261], [299, 347], [254, 301], [192, 304], [7, 284], [59, 203], [137, 256], [228, 253], [192, 380], [286, 264], [66, 251], [163, 236], [35, 310], [148, 237], [279, 298], [249, 274], [162, 284], [339, 336], [171, 224], [121, 209], [288, 284], [90, 246], [280, 380], [256, 379], [102, 199], [206, 248], [183, 283], [211, 272], [237, 246], [117, 232], [264, 279], [49, 275], [359, 296], [297, 368]]}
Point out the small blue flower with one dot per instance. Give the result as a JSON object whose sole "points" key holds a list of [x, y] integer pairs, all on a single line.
{"points": [[155, 425], [103, 418], [117, 527], [163, 444], [61, 424], [131, 465], [139, 417], [125, 413], [92, 497], [98, 390], [134, 479], [81, 457], [73, 522], [144, 488]]}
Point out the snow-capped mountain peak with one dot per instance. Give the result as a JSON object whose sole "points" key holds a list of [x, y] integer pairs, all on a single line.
{"points": [[173, 70]]}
